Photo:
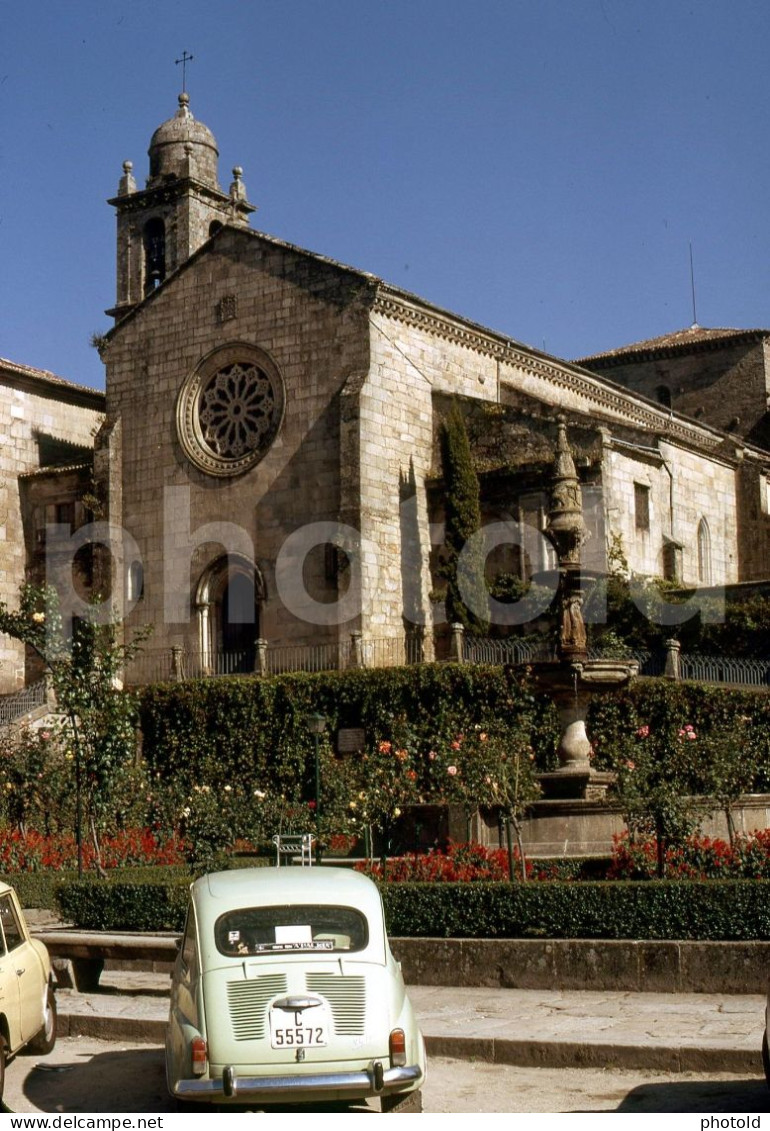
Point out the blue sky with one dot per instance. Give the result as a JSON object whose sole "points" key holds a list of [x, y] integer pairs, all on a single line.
{"points": [[540, 166]]}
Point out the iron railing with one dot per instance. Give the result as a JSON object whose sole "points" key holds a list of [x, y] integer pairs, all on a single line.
{"points": [[156, 665], [23, 702], [513, 650], [307, 658], [724, 669]]}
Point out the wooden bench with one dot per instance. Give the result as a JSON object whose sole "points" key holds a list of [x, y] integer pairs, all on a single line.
{"points": [[78, 957]]}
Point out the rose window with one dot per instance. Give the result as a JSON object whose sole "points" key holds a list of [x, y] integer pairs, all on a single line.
{"points": [[230, 409], [236, 410]]}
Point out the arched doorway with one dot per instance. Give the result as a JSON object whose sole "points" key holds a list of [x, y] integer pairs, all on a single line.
{"points": [[228, 602]]}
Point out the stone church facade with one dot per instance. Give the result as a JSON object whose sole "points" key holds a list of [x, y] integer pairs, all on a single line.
{"points": [[47, 430], [269, 454]]}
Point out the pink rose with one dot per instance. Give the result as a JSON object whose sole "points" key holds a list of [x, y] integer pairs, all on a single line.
{"points": [[451, 770]]}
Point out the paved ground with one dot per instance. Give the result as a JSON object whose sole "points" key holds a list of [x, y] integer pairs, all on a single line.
{"points": [[97, 1076], [660, 1032]]}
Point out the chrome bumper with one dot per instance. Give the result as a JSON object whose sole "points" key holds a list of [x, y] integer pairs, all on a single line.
{"points": [[230, 1086]]}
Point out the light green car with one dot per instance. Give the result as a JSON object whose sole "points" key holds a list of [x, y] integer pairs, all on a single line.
{"points": [[285, 991]]}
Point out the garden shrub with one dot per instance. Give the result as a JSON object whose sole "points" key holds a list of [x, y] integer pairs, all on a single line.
{"points": [[713, 910], [253, 730], [99, 905], [696, 858]]}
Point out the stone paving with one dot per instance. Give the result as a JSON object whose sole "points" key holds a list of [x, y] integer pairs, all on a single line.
{"points": [[667, 1032]]}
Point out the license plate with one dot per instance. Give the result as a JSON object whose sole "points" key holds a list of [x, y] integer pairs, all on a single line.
{"points": [[310, 1033]]}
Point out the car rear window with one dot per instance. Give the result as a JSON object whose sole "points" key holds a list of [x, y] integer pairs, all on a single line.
{"points": [[282, 930]]}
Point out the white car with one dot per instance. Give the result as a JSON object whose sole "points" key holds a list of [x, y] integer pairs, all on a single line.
{"points": [[285, 990], [27, 1002]]}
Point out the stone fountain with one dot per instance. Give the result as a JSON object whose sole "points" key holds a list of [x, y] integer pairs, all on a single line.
{"points": [[572, 679]]}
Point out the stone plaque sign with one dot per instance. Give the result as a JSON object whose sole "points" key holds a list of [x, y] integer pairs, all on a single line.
{"points": [[350, 740]]}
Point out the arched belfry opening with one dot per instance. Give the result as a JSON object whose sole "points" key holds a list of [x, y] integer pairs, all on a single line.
{"points": [[162, 225], [228, 604], [154, 239]]}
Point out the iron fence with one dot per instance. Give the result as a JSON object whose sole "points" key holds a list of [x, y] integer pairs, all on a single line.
{"points": [[486, 650], [157, 665], [20, 703], [307, 658], [724, 669]]}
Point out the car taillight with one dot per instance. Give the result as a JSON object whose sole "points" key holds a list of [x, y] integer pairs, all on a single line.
{"points": [[397, 1048], [199, 1055]]}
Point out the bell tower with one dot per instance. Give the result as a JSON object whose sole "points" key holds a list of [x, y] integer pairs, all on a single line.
{"points": [[182, 206]]}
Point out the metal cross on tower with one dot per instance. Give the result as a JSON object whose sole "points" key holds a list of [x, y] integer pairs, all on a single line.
{"points": [[184, 61]]}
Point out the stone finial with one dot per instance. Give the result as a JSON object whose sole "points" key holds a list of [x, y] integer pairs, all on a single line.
{"points": [[239, 206], [565, 526], [237, 188], [127, 183]]}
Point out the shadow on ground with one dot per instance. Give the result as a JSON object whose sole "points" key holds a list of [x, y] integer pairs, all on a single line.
{"points": [[130, 1080], [731, 1096]]}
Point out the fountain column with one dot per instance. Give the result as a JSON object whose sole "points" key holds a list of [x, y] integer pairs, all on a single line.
{"points": [[573, 679]]}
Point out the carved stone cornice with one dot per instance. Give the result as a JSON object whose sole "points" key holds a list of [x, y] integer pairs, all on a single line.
{"points": [[603, 393]]}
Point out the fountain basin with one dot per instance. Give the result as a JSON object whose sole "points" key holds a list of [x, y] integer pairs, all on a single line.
{"points": [[571, 685]]}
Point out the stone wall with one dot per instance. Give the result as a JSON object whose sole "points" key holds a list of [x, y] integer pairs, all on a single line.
{"points": [[306, 316], [41, 419], [722, 383], [683, 488]]}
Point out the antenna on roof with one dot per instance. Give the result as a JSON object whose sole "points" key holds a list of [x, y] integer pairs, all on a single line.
{"points": [[695, 325]]}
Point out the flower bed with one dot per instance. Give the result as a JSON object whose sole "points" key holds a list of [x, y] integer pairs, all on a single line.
{"points": [[697, 858], [32, 851], [471, 863]]}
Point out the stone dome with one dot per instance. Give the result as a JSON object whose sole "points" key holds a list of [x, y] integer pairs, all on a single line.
{"points": [[183, 147]]}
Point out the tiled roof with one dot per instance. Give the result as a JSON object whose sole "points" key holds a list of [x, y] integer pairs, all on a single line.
{"points": [[693, 337], [28, 372], [57, 469]]}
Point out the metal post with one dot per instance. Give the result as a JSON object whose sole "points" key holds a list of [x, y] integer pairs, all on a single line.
{"points": [[317, 800], [316, 724]]}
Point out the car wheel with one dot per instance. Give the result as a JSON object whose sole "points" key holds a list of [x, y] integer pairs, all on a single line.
{"points": [[402, 1102], [44, 1041], [766, 1057]]}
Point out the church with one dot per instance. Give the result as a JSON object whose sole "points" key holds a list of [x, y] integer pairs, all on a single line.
{"points": [[266, 464]]}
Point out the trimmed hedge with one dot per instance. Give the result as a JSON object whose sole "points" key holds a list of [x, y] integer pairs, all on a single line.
{"points": [[36, 889], [117, 906], [709, 910], [715, 910], [253, 729]]}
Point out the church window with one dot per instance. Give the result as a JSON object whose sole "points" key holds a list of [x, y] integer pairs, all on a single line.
{"points": [[154, 254], [641, 506], [135, 581], [214, 227], [663, 395], [704, 553], [230, 409]]}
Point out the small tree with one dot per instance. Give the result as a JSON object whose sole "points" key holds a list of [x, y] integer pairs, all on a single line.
{"points": [[387, 785], [656, 784], [731, 755], [97, 720], [489, 770]]}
